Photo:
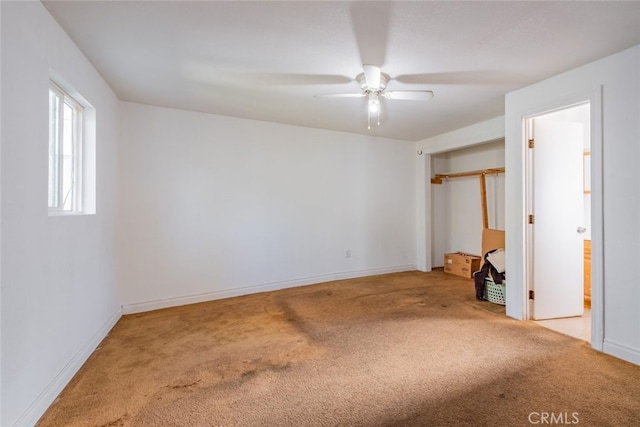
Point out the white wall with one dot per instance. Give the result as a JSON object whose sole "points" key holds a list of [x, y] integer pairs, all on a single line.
{"points": [[215, 206], [615, 251], [457, 202], [0, 217], [59, 292]]}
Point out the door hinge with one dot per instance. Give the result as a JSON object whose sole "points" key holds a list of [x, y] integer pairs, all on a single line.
{"points": [[531, 143], [531, 219], [532, 295]]}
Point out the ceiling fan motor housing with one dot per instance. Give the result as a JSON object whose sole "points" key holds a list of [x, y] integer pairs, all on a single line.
{"points": [[384, 78]]}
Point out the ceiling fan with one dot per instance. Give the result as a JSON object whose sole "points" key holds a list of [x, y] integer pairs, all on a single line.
{"points": [[373, 83]]}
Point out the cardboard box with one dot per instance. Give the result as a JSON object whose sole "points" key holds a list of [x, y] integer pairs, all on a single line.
{"points": [[461, 264], [491, 239]]}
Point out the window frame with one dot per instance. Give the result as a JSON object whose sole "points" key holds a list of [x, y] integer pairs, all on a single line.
{"points": [[56, 197]]}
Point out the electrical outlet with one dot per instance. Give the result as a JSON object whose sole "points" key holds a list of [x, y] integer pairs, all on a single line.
{"points": [[347, 253]]}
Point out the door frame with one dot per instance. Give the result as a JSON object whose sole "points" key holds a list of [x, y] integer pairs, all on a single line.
{"points": [[597, 225]]}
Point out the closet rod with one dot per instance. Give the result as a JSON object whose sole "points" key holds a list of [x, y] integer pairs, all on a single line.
{"points": [[437, 179]]}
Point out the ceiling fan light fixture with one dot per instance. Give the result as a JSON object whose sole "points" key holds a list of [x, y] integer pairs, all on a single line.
{"points": [[374, 103], [373, 108]]}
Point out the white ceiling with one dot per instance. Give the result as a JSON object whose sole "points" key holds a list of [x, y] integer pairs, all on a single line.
{"points": [[266, 60]]}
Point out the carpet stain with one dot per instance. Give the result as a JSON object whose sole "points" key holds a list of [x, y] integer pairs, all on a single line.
{"points": [[120, 422], [180, 386], [249, 373]]}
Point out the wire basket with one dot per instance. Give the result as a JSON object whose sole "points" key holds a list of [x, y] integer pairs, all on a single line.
{"points": [[495, 293]]}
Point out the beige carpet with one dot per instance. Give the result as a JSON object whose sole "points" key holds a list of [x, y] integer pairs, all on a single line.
{"points": [[405, 349]]}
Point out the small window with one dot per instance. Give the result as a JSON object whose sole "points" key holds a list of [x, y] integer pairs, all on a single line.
{"points": [[65, 152]]}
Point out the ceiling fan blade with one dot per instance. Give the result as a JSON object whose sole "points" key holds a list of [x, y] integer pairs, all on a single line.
{"points": [[409, 95], [341, 95], [289, 79], [370, 22], [478, 77], [372, 76], [207, 73]]}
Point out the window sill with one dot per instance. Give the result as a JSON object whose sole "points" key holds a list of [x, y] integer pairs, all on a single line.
{"points": [[56, 213]]}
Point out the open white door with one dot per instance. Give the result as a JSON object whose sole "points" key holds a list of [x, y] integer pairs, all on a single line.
{"points": [[558, 196]]}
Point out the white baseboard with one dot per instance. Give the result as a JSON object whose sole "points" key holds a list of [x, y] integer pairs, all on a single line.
{"points": [[622, 351], [33, 413], [266, 287]]}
